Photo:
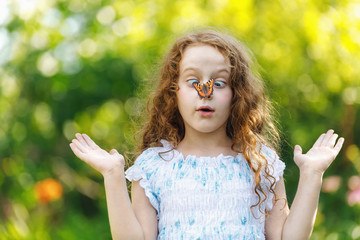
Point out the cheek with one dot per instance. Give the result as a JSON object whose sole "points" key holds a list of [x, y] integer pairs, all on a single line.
{"points": [[225, 98], [185, 93], [180, 93], [183, 96]]}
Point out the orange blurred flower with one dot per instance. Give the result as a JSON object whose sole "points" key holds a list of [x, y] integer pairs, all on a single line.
{"points": [[48, 190]]}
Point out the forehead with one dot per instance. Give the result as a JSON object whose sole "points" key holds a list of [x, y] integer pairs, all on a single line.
{"points": [[203, 56]]}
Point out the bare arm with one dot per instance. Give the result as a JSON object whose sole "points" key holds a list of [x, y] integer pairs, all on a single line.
{"points": [[144, 211], [299, 222], [277, 215], [123, 221]]}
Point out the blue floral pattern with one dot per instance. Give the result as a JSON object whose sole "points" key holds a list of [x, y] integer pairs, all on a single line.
{"points": [[203, 197]]}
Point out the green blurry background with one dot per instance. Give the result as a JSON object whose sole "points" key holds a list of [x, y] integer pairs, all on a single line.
{"points": [[70, 66]]}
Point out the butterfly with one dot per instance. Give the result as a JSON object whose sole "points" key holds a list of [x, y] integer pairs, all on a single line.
{"points": [[206, 89]]}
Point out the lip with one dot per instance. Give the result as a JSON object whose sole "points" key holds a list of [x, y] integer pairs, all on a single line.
{"points": [[205, 113]]}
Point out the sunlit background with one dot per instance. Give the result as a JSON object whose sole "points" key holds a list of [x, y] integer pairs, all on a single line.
{"points": [[70, 66]]}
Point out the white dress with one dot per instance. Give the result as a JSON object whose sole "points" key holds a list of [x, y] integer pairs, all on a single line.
{"points": [[203, 197]]}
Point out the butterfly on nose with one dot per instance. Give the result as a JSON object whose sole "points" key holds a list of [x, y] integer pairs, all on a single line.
{"points": [[205, 90]]}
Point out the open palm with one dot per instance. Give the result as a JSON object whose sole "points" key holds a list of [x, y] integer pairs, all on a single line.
{"points": [[101, 160], [321, 155]]}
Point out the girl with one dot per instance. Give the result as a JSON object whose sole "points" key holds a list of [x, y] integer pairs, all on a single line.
{"points": [[208, 169]]}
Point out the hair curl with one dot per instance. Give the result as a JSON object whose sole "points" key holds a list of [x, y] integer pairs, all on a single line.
{"points": [[250, 123]]}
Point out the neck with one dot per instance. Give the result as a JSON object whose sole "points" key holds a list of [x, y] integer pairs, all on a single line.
{"points": [[206, 144]]}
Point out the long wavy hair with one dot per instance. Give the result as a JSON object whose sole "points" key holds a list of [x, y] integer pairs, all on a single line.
{"points": [[250, 123]]}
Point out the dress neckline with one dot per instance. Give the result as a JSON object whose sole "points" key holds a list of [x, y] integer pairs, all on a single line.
{"points": [[169, 146]]}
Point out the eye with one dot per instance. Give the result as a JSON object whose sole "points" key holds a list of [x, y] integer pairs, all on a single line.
{"points": [[192, 81], [219, 84]]}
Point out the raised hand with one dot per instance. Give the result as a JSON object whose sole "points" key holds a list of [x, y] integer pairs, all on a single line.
{"points": [[101, 160], [321, 155]]}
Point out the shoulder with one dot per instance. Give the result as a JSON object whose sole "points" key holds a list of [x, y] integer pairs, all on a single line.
{"points": [[146, 156], [275, 169], [268, 152], [276, 166], [146, 164], [154, 154]]}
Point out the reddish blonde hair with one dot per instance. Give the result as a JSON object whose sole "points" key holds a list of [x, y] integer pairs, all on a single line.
{"points": [[250, 123]]}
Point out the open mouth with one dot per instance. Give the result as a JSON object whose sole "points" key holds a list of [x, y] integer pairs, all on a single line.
{"points": [[205, 109]]}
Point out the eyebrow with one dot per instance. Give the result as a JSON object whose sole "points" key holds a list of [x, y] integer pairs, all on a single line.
{"points": [[189, 69], [196, 69]]}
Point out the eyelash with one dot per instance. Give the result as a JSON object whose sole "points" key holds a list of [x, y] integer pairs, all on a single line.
{"points": [[222, 84], [217, 84], [192, 81]]}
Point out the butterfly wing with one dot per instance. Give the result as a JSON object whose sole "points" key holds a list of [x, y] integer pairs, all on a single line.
{"points": [[209, 88], [199, 90], [206, 89]]}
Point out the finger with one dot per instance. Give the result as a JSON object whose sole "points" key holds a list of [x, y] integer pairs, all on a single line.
{"points": [[327, 137], [80, 146], [76, 151], [90, 142], [297, 150], [339, 145], [319, 140], [81, 139], [113, 151], [332, 140]]}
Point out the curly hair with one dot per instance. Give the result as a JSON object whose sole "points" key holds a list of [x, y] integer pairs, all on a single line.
{"points": [[250, 123]]}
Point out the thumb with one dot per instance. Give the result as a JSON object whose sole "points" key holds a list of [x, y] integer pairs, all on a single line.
{"points": [[297, 150], [113, 151]]}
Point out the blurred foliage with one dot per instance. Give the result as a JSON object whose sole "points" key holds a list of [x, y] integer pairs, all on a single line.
{"points": [[81, 66]]}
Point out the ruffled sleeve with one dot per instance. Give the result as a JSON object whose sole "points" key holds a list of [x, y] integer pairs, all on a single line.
{"points": [[145, 169], [276, 169]]}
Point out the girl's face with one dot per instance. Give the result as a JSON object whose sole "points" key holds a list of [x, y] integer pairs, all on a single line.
{"points": [[199, 64]]}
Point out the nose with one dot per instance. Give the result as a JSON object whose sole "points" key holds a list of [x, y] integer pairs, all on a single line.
{"points": [[205, 95], [205, 90], [209, 85]]}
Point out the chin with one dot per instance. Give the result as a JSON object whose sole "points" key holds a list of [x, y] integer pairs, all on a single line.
{"points": [[207, 129]]}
